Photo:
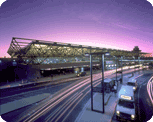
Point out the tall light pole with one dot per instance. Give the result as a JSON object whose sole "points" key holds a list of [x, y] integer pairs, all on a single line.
{"points": [[139, 63], [121, 69], [91, 82], [103, 80], [116, 71], [134, 64]]}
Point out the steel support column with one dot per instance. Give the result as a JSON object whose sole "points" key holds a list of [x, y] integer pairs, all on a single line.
{"points": [[116, 72], [91, 82], [97, 89], [121, 69], [103, 80]]}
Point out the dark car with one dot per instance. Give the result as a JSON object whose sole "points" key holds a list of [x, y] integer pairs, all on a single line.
{"points": [[81, 74]]}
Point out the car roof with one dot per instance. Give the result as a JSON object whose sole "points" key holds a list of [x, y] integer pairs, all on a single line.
{"points": [[126, 90], [132, 80], [107, 80]]}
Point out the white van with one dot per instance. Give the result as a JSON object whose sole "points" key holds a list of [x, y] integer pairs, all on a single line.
{"points": [[132, 82], [125, 108]]}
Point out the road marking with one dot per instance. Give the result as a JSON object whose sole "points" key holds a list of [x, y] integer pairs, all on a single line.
{"points": [[149, 88], [138, 102], [86, 81], [138, 76]]}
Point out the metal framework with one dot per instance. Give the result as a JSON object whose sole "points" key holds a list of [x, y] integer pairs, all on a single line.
{"points": [[32, 48], [97, 89]]}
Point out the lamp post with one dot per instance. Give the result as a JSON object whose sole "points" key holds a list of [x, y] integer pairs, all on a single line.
{"points": [[121, 69], [103, 80], [134, 64], [91, 82], [139, 63], [116, 71]]}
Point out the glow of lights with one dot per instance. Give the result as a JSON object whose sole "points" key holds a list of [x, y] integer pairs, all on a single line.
{"points": [[86, 54], [149, 88], [118, 112], [132, 116], [37, 45], [107, 53], [126, 97]]}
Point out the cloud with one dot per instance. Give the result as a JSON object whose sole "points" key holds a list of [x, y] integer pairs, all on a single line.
{"points": [[90, 16], [126, 26]]}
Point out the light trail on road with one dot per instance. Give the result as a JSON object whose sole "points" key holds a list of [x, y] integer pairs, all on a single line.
{"points": [[81, 92], [66, 93], [56, 100], [61, 107], [150, 89]]}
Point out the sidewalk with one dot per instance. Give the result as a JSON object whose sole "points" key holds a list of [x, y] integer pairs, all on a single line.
{"points": [[87, 115], [10, 106]]}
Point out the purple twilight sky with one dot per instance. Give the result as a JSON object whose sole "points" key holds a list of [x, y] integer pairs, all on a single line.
{"points": [[117, 24]]}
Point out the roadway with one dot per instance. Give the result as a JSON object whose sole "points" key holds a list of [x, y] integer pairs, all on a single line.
{"points": [[144, 105], [65, 102]]}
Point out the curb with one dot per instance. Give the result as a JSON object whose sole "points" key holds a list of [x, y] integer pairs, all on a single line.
{"points": [[108, 99]]}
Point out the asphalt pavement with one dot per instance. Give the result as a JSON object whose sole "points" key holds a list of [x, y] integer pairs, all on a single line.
{"points": [[144, 106], [11, 106], [86, 114]]}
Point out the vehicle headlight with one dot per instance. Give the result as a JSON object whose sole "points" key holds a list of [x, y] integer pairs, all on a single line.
{"points": [[134, 88], [132, 116], [117, 112]]}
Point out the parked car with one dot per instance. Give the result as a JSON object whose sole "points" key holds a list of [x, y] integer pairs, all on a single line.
{"points": [[125, 108], [132, 82], [81, 74]]}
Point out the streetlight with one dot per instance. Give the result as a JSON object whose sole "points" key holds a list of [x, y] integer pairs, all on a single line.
{"points": [[121, 69], [139, 63], [116, 71], [116, 57], [134, 64]]}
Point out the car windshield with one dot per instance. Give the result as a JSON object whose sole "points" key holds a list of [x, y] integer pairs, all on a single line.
{"points": [[131, 84], [127, 104]]}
